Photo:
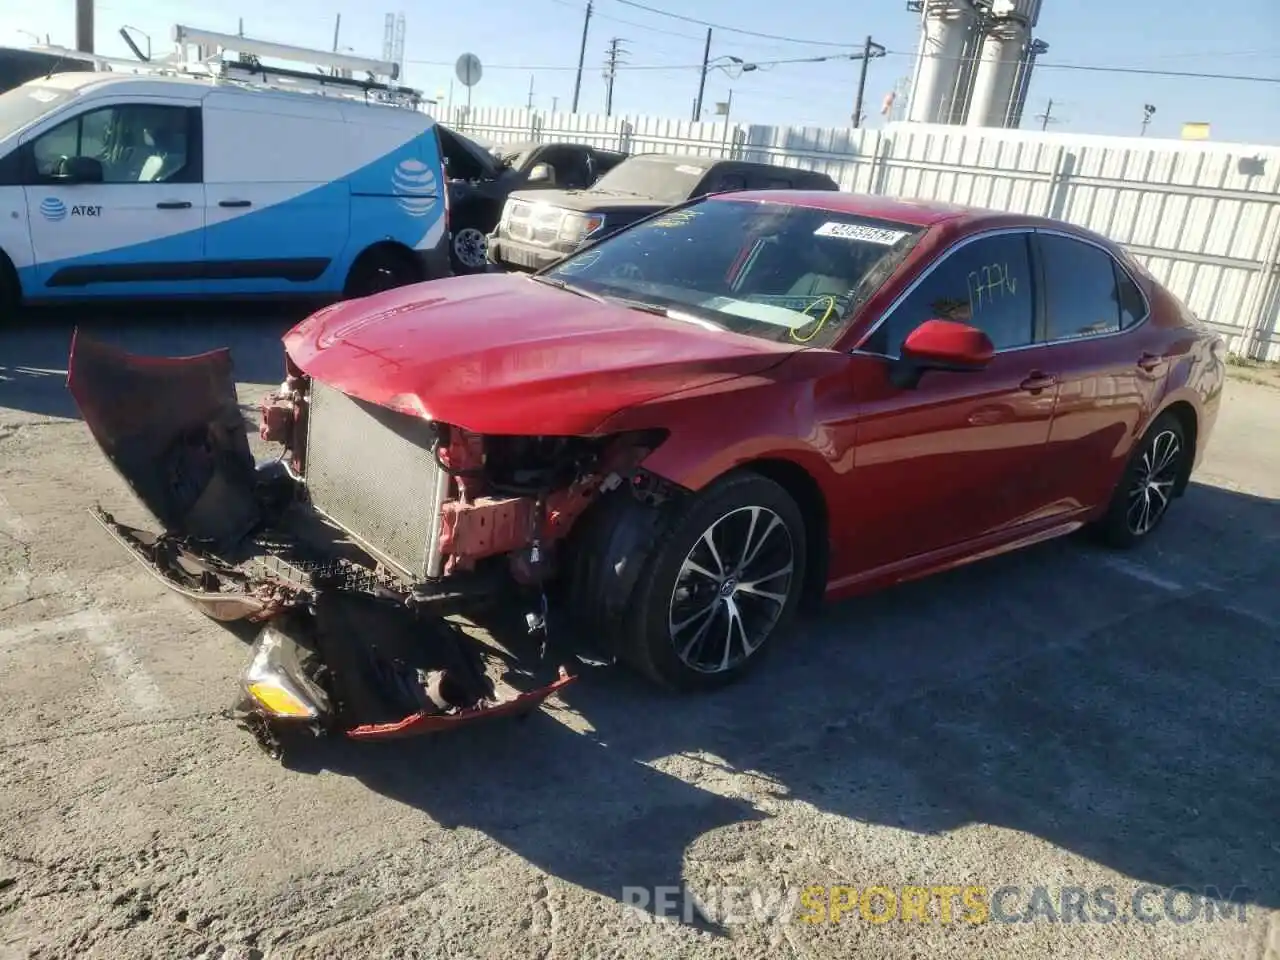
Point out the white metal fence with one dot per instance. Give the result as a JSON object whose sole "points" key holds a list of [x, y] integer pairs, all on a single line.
{"points": [[1203, 217]]}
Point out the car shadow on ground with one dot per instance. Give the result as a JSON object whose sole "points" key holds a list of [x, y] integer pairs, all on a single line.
{"points": [[34, 348], [1066, 692]]}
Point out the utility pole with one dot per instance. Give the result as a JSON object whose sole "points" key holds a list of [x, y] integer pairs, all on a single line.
{"points": [[582, 55], [337, 25], [555, 102], [610, 71], [529, 106], [869, 49], [84, 26], [702, 80], [1047, 117]]}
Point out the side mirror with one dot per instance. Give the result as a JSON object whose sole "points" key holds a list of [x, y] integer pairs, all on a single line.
{"points": [[942, 345], [80, 170], [542, 173]]}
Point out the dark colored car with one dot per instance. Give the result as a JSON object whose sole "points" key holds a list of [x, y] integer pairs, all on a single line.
{"points": [[481, 177], [17, 66], [683, 431], [538, 229]]}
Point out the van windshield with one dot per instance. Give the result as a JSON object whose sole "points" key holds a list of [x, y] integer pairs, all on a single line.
{"points": [[22, 105]]}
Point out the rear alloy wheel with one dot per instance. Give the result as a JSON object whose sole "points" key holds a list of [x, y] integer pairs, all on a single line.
{"points": [[1148, 487], [724, 581], [470, 249]]}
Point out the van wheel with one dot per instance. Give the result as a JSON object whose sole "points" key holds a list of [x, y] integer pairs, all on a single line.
{"points": [[382, 269], [10, 291]]}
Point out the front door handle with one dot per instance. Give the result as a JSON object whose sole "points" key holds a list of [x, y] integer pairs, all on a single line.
{"points": [[235, 203], [1038, 382], [1149, 361], [174, 205]]}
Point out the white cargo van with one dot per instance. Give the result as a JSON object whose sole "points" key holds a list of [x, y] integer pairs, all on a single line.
{"points": [[117, 185]]}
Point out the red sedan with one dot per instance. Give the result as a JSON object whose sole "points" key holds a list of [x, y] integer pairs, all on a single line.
{"points": [[696, 424]]}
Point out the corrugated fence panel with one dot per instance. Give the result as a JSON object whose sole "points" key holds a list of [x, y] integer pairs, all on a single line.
{"points": [[1203, 217]]}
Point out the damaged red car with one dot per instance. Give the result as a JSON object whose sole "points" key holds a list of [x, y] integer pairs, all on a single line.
{"points": [[668, 442]]}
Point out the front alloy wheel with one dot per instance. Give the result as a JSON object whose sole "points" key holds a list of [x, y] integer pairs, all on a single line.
{"points": [[723, 579], [731, 589]]}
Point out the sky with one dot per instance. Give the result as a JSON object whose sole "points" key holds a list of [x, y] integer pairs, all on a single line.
{"points": [[520, 42]]}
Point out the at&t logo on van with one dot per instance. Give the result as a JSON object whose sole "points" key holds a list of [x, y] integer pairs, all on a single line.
{"points": [[415, 187], [53, 209]]}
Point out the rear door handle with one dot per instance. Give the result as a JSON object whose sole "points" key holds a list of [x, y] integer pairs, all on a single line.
{"points": [[1149, 361], [1038, 382], [174, 205], [235, 203]]}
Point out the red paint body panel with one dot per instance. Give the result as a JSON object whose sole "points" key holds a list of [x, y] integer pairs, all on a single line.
{"points": [[503, 354], [912, 480]]}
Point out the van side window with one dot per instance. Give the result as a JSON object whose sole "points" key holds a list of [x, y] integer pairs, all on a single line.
{"points": [[135, 143], [986, 283]]}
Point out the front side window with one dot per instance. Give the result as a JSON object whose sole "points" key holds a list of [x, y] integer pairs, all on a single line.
{"points": [[1082, 297], [135, 143], [771, 270], [985, 283]]}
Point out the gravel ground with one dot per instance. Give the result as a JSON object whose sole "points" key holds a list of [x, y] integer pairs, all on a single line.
{"points": [[1064, 718]]}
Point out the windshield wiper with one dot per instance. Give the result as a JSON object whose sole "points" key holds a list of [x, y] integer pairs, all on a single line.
{"points": [[658, 310], [565, 285]]}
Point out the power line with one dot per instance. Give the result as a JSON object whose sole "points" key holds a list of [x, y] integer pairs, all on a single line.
{"points": [[630, 23], [721, 26], [1101, 68]]}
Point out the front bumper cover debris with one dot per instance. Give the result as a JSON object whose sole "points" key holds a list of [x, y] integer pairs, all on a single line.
{"points": [[344, 648]]}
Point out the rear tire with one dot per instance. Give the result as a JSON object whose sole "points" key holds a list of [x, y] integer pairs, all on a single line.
{"points": [[380, 269], [10, 292], [725, 577], [1147, 488]]}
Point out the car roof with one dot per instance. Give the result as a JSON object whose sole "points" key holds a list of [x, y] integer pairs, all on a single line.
{"points": [[920, 213]]}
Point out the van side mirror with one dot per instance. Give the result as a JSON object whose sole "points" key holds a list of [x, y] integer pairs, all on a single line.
{"points": [[79, 170], [941, 345]]}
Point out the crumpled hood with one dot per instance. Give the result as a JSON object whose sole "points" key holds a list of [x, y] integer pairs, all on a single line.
{"points": [[504, 354]]}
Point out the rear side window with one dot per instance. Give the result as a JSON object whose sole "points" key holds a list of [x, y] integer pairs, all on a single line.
{"points": [[986, 283], [1081, 296]]}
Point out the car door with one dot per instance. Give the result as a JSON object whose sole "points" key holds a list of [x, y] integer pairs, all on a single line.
{"points": [[115, 202], [1094, 315], [958, 457]]}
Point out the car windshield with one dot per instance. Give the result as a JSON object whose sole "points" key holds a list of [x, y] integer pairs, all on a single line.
{"points": [[771, 270], [22, 105], [661, 179]]}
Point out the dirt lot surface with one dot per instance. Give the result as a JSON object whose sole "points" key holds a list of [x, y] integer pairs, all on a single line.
{"points": [[1066, 718]]}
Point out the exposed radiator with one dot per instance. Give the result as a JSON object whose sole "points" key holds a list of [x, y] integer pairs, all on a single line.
{"points": [[372, 472]]}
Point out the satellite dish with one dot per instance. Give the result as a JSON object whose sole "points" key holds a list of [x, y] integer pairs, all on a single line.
{"points": [[468, 69]]}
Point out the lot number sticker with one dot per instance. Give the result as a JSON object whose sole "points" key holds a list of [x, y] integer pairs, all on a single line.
{"points": [[855, 231]]}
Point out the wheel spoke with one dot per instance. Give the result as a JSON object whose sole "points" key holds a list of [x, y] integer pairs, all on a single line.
{"points": [[773, 525], [699, 635], [710, 540], [709, 609], [733, 619], [692, 566]]}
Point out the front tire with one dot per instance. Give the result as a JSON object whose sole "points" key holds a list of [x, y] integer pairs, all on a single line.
{"points": [[1150, 481], [722, 582]]}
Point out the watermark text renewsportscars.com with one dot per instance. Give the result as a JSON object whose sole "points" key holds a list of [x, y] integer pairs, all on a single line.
{"points": [[942, 904]]}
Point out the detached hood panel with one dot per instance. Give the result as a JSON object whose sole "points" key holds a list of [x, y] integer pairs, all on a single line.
{"points": [[503, 354]]}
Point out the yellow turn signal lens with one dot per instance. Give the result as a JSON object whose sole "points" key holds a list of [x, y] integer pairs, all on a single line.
{"points": [[279, 702]]}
